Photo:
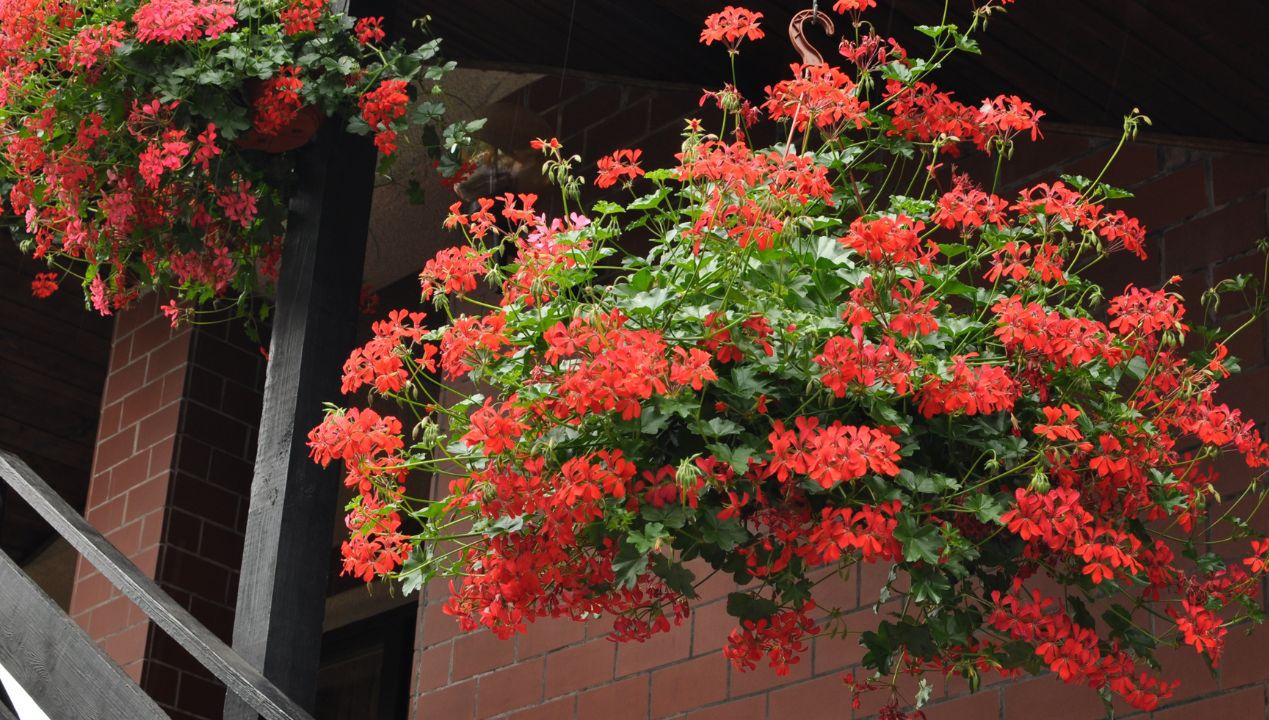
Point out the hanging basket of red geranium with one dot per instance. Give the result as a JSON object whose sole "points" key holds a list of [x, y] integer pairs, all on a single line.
{"points": [[833, 354], [140, 138]]}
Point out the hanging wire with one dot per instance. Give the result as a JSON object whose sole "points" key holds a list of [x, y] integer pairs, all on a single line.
{"points": [[568, 44]]}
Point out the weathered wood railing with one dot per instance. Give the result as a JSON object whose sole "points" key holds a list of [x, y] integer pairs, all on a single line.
{"points": [[5, 714], [55, 661]]}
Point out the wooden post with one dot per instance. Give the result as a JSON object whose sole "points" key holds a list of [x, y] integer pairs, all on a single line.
{"points": [[283, 579]]}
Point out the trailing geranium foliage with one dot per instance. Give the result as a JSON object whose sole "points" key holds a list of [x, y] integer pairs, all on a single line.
{"points": [[833, 353], [134, 133]]}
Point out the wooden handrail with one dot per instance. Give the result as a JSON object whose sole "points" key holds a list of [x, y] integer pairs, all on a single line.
{"points": [[238, 675], [55, 662]]}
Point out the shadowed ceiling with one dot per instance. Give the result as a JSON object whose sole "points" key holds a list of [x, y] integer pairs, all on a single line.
{"points": [[1197, 69]]}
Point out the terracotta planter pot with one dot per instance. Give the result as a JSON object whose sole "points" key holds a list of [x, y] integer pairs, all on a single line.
{"points": [[296, 134]]}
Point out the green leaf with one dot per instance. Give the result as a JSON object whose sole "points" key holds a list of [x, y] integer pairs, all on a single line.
{"points": [[652, 421], [985, 507], [958, 288], [829, 249], [436, 72], [417, 569], [649, 538], [926, 482], [719, 427], [929, 585], [500, 526], [677, 577], [881, 646], [967, 44], [1110, 192], [671, 516], [934, 31], [211, 77], [737, 457], [651, 200], [641, 281], [745, 383], [1137, 367], [650, 300], [1119, 620], [727, 535], [746, 606], [1079, 612], [920, 542], [628, 569]]}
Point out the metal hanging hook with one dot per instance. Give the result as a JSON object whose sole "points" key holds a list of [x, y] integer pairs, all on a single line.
{"points": [[797, 34]]}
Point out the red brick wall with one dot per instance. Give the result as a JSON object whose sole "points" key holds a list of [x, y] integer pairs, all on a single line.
{"points": [[127, 493], [1205, 209], [169, 488], [595, 117]]}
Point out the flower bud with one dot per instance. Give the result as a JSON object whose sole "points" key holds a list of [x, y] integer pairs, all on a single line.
{"points": [[1039, 482]]}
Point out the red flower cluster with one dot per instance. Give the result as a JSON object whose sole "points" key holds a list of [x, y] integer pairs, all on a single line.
{"points": [[1031, 330], [890, 241], [382, 107], [866, 530], [169, 21], [820, 95], [370, 30], [620, 164], [729, 173], [782, 638], [1141, 314], [857, 362], [301, 16], [44, 284], [278, 101], [382, 362], [830, 455], [922, 112], [982, 389], [969, 207], [730, 26], [1073, 651], [91, 46], [453, 270], [854, 6]]}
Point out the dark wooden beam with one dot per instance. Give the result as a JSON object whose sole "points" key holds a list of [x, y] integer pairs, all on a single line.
{"points": [[238, 675], [55, 661], [286, 563], [5, 712]]}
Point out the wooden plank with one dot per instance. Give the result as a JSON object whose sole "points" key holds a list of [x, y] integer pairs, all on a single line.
{"points": [[5, 712], [238, 675], [285, 564], [55, 661]]}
